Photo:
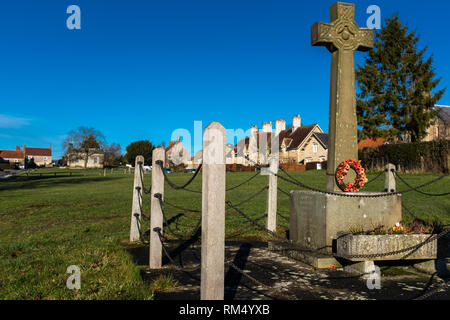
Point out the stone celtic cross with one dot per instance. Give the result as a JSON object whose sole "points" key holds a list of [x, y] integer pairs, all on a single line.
{"points": [[341, 37]]}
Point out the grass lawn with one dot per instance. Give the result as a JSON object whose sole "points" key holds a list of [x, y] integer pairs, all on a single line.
{"points": [[49, 223]]}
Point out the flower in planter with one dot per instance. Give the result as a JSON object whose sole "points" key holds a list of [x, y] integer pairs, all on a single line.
{"points": [[398, 228]]}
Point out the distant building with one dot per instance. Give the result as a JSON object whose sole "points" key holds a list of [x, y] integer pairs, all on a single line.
{"points": [[177, 154], [42, 157], [440, 129], [12, 157], [95, 159], [297, 144]]}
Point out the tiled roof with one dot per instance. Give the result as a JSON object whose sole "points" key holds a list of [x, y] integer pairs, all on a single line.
{"points": [[297, 136], [38, 151], [11, 154], [369, 143], [322, 138], [293, 139], [444, 113]]}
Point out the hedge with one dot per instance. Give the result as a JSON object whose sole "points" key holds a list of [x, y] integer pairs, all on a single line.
{"points": [[430, 156]]}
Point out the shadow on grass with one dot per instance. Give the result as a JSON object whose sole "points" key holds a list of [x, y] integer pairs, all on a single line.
{"points": [[34, 182]]}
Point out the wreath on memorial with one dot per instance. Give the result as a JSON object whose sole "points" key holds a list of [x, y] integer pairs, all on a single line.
{"points": [[342, 171]]}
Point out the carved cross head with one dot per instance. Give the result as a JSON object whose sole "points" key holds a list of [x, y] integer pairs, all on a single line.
{"points": [[342, 33]]}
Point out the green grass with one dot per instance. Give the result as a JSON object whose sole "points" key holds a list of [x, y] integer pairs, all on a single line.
{"points": [[50, 223]]}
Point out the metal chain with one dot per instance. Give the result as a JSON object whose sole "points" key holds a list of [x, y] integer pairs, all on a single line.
{"points": [[252, 197], [285, 218], [298, 183], [343, 194], [166, 252], [248, 180], [177, 235], [418, 191], [284, 192], [180, 208], [375, 195], [372, 180], [177, 187], [410, 250], [146, 191], [141, 238]]}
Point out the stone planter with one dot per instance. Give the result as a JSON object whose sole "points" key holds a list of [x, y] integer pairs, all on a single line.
{"points": [[351, 245]]}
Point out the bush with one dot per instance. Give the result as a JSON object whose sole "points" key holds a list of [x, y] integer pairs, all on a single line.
{"points": [[430, 156]]}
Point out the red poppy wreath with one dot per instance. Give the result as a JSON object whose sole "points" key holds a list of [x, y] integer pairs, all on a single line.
{"points": [[342, 171]]}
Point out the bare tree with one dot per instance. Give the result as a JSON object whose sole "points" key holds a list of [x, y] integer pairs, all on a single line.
{"points": [[82, 143], [112, 154]]}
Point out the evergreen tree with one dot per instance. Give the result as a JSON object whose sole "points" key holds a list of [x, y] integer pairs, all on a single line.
{"points": [[396, 84], [139, 148]]}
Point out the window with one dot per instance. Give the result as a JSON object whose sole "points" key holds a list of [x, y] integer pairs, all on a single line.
{"points": [[315, 148], [96, 160]]}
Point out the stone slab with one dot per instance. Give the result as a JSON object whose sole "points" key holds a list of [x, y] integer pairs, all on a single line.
{"points": [[349, 245], [316, 218]]}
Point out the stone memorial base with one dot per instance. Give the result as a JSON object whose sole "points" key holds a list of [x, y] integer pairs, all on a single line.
{"points": [[316, 218]]}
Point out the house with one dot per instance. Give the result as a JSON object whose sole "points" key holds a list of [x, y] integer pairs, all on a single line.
{"points": [[177, 154], [77, 159], [440, 129], [297, 144], [10, 158], [303, 144], [42, 157]]}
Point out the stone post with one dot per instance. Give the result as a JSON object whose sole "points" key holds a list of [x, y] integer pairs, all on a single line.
{"points": [[156, 219], [137, 201], [213, 213], [272, 193], [389, 178]]}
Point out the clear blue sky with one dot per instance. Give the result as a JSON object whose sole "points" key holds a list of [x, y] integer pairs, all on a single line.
{"points": [[139, 69]]}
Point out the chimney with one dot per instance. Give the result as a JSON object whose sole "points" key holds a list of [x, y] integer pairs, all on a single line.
{"points": [[296, 122], [18, 148], [280, 125], [267, 127], [253, 130]]}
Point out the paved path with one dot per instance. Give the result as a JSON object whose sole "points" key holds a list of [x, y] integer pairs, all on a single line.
{"points": [[283, 278]]}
